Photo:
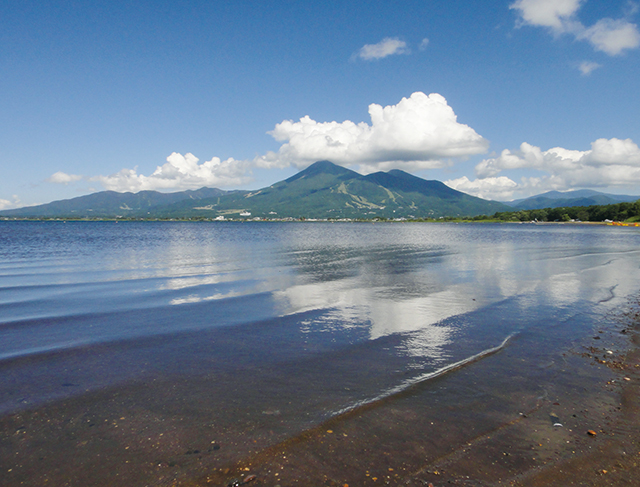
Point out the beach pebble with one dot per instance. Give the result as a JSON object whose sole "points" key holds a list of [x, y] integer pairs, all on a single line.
{"points": [[591, 433], [238, 482]]}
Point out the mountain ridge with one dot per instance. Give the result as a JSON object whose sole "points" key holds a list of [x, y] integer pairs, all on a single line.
{"points": [[579, 197], [322, 190]]}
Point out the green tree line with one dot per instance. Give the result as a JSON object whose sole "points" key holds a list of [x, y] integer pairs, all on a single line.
{"points": [[620, 212]]}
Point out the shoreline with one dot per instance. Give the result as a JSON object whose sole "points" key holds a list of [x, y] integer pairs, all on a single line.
{"points": [[312, 220], [380, 444], [489, 423]]}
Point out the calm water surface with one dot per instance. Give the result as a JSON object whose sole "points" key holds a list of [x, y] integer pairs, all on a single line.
{"points": [[279, 326]]}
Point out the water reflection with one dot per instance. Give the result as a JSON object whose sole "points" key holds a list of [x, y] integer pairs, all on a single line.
{"points": [[417, 285], [396, 278], [390, 302]]}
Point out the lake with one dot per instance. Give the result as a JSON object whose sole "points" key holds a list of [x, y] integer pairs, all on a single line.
{"points": [[179, 347]]}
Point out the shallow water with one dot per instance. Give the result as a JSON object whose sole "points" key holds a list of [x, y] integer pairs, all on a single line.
{"points": [[263, 330]]}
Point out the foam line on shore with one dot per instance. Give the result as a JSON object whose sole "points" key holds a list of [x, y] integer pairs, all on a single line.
{"points": [[415, 381]]}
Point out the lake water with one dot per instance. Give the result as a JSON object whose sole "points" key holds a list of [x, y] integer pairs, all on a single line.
{"points": [[260, 331]]}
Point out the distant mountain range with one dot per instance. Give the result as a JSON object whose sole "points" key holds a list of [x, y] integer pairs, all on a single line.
{"points": [[323, 190], [581, 197], [110, 204]]}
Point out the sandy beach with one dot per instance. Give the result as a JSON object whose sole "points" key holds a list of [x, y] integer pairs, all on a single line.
{"points": [[582, 431], [570, 419]]}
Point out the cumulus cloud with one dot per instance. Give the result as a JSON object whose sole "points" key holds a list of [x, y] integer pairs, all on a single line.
{"points": [[610, 152], [500, 188], [555, 14], [612, 36], [529, 157], [559, 16], [609, 163], [63, 178], [386, 47], [587, 67], [180, 172], [8, 204], [424, 44], [420, 132]]}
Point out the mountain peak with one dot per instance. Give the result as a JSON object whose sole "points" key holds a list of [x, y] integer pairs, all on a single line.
{"points": [[322, 190], [400, 180], [323, 167]]}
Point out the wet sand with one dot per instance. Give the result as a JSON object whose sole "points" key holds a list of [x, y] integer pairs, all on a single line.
{"points": [[484, 425], [521, 416]]}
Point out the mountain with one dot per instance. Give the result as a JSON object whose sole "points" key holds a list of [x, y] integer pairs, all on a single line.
{"points": [[109, 204], [323, 190], [557, 199]]}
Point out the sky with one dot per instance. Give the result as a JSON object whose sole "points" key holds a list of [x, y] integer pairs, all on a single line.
{"points": [[498, 99]]}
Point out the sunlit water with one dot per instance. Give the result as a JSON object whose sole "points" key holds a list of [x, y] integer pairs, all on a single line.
{"points": [[299, 320]]}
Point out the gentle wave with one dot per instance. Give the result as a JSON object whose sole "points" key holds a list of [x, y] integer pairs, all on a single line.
{"points": [[66, 331], [408, 384]]}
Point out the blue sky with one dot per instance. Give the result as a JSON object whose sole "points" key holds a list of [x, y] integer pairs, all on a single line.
{"points": [[500, 99]]}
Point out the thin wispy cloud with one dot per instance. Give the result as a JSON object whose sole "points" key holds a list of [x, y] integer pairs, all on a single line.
{"points": [[587, 67], [611, 36], [389, 46]]}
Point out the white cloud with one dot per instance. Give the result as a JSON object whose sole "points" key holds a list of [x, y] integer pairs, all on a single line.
{"points": [[420, 132], [613, 152], [423, 44], [7, 204], [529, 157], [386, 47], [607, 35], [587, 67], [500, 188], [555, 14], [612, 36], [63, 178], [631, 8], [609, 163], [180, 172]]}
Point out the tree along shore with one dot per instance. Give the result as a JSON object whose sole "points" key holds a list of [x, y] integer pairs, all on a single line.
{"points": [[619, 212]]}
